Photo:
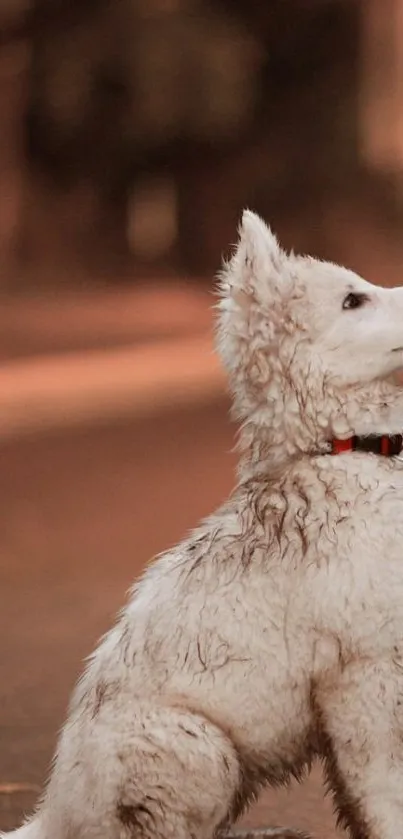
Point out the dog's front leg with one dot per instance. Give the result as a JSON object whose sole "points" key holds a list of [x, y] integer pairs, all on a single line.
{"points": [[360, 726]]}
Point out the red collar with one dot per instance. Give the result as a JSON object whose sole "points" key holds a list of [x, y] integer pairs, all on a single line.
{"points": [[384, 444]]}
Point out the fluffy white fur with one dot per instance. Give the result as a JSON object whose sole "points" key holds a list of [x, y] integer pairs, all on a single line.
{"points": [[273, 633]]}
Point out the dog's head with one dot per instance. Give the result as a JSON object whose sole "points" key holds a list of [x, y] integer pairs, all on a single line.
{"points": [[308, 345]]}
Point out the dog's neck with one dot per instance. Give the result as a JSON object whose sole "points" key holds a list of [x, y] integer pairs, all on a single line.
{"points": [[306, 425]]}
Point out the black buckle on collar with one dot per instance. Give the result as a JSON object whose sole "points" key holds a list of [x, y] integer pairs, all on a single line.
{"points": [[389, 446]]}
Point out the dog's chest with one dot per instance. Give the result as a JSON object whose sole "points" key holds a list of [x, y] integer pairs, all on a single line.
{"points": [[355, 573], [347, 494]]}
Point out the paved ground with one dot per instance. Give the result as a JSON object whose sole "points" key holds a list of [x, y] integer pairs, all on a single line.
{"points": [[81, 511], [38, 323], [86, 356]]}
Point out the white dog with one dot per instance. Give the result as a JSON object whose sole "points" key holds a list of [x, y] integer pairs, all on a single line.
{"points": [[274, 633]]}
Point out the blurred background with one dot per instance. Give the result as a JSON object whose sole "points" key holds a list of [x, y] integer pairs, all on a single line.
{"points": [[133, 132]]}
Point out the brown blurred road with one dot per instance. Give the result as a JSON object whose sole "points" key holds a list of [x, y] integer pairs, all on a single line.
{"points": [[81, 511], [104, 355]]}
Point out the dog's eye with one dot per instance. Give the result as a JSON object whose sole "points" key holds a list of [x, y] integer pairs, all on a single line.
{"points": [[354, 301]]}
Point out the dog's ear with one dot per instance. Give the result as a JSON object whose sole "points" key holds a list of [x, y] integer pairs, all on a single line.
{"points": [[251, 287], [258, 255], [252, 290], [255, 271]]}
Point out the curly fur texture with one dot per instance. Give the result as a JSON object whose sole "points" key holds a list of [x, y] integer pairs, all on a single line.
{"points": [[274, 632]]}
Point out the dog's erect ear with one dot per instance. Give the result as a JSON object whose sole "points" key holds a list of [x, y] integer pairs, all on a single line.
{"points": [[255, 268], [251, 289], [258, 247]]}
